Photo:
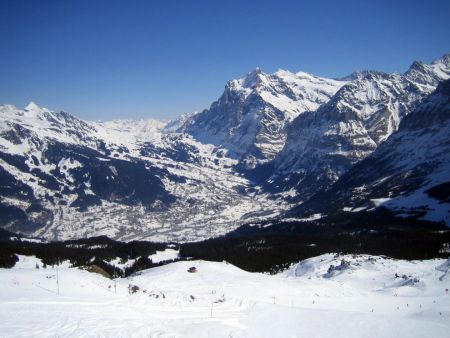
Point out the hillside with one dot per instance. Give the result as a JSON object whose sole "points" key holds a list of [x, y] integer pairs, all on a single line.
{"points": [[354, 295]]}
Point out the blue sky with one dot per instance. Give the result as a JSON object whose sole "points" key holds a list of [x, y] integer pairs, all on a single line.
{"points": [[142, 59]]}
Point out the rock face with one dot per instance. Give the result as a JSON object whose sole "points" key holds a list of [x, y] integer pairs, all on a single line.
{"points": [[252, 115], [322, 145], [408, 173]]}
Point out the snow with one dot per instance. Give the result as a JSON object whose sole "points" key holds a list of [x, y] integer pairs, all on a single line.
{"points": [[130, 133], [32, 106], [165, 255], [380, 201], [310, 218], [122, 265], [43, 123], [351, 209], [418, 201], [24, 239], [365, 299]]}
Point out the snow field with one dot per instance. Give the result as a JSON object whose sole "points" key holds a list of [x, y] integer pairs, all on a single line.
{"points": [[360, 297]]}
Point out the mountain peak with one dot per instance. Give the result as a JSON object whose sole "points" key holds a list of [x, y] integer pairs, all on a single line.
{"points": [[425, 74], [257, 70], [253, 78], [360, 74], [419, 65], [444, 60], [32, 106]]}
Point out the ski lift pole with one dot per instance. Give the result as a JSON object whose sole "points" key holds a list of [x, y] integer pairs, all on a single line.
{"points": [[57, 277], [114, 278]]}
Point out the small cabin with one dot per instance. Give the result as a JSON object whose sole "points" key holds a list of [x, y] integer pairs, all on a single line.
{"points": [[192, 269]]}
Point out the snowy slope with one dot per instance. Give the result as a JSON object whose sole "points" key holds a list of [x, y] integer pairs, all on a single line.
{"points": [[252, 115], [130, 133], [42, 123], [323, 144], [409, 173], [360, 297]]}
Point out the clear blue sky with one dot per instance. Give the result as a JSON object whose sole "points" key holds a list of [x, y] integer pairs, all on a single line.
{"points": [[137, 59]]}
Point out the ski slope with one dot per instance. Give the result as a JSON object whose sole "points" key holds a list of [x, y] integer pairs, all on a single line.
{"points": [[359, 297]]}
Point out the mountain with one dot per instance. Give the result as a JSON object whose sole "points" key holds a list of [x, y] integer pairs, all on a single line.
{"points": [[426, 75], [51, 163], [268, 144], [324, 144], [62, 177], [252, 115], [409, 173]]}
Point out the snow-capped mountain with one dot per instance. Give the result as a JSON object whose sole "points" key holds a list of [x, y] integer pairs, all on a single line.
{"points": [[426, 75], [269, 142], [252, 115], [323, 144], [63, 177], [409, 173], [52, 163], [131, 133]]}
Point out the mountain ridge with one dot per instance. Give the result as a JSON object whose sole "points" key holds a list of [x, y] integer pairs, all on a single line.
{"points": [[265, 151], [323, 144], [251, 116], [408, 173]]}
